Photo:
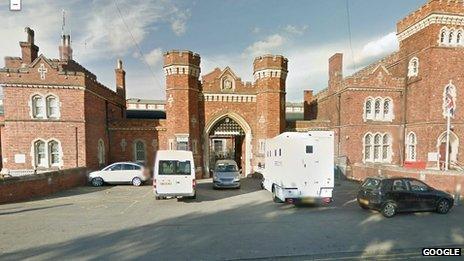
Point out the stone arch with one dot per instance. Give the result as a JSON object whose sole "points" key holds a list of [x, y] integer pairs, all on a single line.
{"points": [[453, 147], [248, 139]]}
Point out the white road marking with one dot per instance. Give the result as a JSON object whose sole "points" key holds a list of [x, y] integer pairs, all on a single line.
{"points": [[133, 203], [349, 202]]}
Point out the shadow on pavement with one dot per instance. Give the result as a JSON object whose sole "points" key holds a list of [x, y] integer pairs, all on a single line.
{"points": [[31, 209]]}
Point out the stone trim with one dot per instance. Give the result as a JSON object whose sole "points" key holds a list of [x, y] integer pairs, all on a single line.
{"points": [[229, 97], [182, 69], [278, 73], [134, 129], [456, 20], [43, 86]]}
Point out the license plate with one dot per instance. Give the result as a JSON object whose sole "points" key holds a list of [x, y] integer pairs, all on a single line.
{"points": [[165, 183], [364, 201], [308, 200]]}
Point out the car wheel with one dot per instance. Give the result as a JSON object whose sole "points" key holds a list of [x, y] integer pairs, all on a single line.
{"points": [[443, 206], [389, 209], [274, 196], [136, 182], [97, 182]]}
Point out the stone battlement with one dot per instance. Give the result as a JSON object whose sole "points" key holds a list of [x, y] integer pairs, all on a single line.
{"points": [[432, 6], [181, 57], [270, 62]]}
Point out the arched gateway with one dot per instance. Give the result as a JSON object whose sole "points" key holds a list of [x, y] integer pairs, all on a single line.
{"points": [[220, 116]]}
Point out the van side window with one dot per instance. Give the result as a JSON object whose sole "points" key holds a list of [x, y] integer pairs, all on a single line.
{"points": [[309, 149]]}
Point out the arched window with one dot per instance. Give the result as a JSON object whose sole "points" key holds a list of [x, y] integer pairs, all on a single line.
{"points": [[139, 151], [53, 110], [411, 147], [377, 109], [443, 35], [368, 147], [459, 37], [386, 148], [38, 107], [101, 152], [368, 109], [451, 37], [386, 108], [40, 156], [54, 153], [413, 68], [377, 146]]}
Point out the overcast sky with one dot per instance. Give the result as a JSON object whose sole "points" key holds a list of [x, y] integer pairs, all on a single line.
{"points": [[223, 32]]}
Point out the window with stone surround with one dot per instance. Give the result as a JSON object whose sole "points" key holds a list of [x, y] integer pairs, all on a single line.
{"points": [[378, 109], [38, 107], [413, 68], [47, 154], [377, 148], [139, 151], [411, 144], [451, 37], [53, 109]]}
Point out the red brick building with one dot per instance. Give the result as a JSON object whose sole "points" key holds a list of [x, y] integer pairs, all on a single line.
{"points": [[57, 115], [391, 112]]}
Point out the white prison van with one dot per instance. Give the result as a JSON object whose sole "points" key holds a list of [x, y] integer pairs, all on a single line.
{"points": [[299, 167], [174, 174]]}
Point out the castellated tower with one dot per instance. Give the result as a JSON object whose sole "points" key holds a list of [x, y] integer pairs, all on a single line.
{"points": [[270, 72], [182, 70]]}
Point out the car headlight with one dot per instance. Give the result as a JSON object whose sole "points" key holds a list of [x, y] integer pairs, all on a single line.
{"points": [[236, 179]]}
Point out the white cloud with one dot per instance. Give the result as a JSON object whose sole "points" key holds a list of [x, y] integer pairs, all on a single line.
{"points": [[296, 30], [268, 45], [377, 48], [154, 57]]}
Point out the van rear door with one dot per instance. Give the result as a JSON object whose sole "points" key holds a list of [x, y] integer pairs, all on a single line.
{"points": [[175, 177]]}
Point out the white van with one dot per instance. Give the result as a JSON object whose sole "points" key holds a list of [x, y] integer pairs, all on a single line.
{"points": [[299, 167], [174, 174]]}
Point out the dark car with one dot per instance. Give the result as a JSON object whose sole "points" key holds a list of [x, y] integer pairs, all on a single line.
{"points": [[393, 195]]}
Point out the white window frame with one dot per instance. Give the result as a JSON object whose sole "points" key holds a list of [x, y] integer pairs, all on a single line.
{"points": [[369, 115], [411, 146], [48, 107], [261, 146], [136, 150], [413, 67], [47, 162], [34, 104], [369, 149], [379, 146], [443, 36]]}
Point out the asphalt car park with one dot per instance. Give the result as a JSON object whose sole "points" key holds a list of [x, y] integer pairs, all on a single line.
{"points": [[127, 222]]}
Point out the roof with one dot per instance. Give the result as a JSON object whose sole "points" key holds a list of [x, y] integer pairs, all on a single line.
{"points": [[146, 101], [385, 61], [145, 114]]}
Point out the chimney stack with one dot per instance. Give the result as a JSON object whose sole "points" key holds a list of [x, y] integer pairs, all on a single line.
{"points": [[29, 50], [65, 48], [335, 72], [120, 79]]}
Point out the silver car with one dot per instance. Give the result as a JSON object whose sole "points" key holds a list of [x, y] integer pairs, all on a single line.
{"points": [[226, 174]]}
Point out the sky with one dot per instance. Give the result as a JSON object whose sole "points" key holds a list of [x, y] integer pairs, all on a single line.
{"points": [[224, 33]]}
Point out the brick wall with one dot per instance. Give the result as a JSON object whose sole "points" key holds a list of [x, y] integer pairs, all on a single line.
{"points": [[451, 182], [39, 185]]}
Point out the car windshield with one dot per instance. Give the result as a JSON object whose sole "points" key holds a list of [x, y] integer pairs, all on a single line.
{"points": [[226, 168], [371, 183], [174, 167]]}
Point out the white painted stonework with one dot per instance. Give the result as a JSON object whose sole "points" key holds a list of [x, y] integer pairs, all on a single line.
{"points": [[270, 73], [453, 20], [219, 97], [182, 69]]}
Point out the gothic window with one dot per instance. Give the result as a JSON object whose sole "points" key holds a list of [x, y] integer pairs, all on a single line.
{"points": [[377, 109], [442, 35], [368, 147], [411, 147], [368, 109], [377, 146], [40, 155], [451, 37], [53, 110], [139, 151], [413, 68], [459, 37], [101, 152], [38, 110], [385, 147], [54, 153], [386, 108]]}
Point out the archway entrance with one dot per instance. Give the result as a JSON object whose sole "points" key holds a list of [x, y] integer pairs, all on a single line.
{"points": [[453, 149], [228, 137]]}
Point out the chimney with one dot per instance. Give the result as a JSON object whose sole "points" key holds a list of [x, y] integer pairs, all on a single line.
{"points": [[29, 50], [65, 48], [308, 99], [335, 71], [120, 79]]}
